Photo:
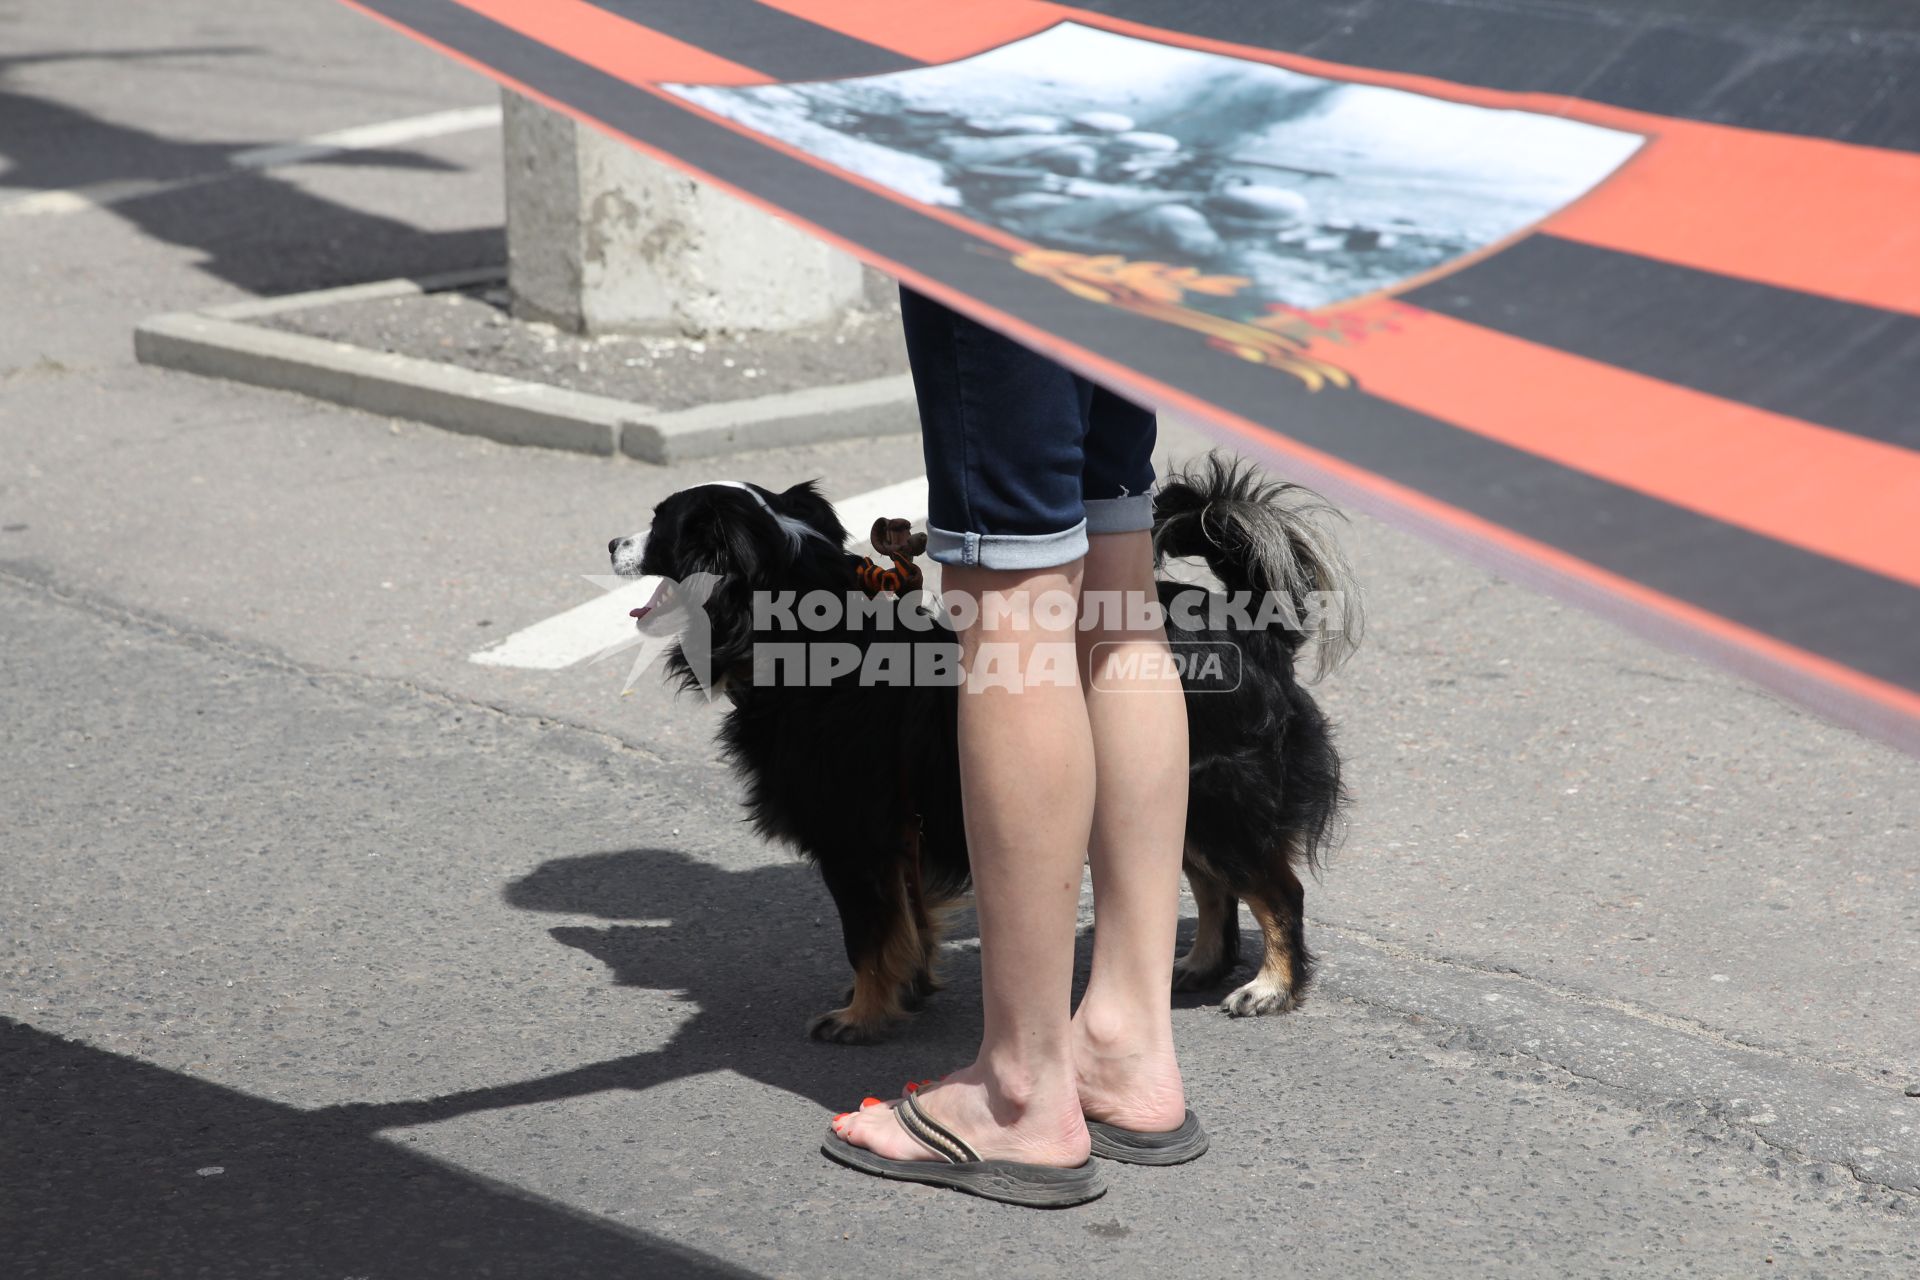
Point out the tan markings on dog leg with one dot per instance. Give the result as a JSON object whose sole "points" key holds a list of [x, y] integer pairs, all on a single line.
{"points": [[1216, 939], [939, 918], [877, 985], [1271, 990], [924, 981]]}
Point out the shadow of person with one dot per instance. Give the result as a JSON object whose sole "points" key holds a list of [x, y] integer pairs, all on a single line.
{"points": [[117, 1167]]}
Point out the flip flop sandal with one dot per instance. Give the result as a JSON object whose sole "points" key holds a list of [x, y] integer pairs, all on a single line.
{"points": [[1129, 1146], [960, 1167]]}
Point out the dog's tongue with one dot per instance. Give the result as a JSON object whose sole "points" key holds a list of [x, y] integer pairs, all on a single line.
{"points": [[658, 598]]}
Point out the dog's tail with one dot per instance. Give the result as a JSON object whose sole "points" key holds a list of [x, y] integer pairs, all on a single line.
{"points": [[1260, 536]]}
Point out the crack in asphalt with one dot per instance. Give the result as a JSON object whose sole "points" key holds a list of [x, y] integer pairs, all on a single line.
{"points": [[1655, 1105], [1694, 1027], [32, 581]]}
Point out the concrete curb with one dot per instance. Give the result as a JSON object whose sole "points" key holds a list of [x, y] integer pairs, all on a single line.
{"points": [[884, 406], [219, 343], [502, 409]]}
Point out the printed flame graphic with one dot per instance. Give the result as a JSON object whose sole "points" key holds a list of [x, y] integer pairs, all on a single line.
{"points": [[1278, 339]]}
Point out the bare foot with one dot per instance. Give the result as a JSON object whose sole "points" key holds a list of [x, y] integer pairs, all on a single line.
{"points": [[1034, 1125], [1128, 1076]]}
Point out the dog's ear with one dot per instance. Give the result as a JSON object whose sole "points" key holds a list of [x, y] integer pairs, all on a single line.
{"points": [[714, 539], [804, 502], [745, 552]]}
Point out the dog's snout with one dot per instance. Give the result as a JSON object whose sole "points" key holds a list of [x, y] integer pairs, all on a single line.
{"points": [[626, 553]]}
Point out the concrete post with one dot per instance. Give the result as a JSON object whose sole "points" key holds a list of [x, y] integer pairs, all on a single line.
{"points": [[601, 238]]}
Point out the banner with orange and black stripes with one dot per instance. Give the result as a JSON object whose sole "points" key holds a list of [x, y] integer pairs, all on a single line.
{"points": [[1624, 305]]}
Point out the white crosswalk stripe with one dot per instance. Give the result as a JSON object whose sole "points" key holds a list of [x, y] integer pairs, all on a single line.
{"points": [[367, 137]]}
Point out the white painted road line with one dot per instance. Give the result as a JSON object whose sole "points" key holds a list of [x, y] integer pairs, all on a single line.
{"points": [[590, 628], [907, 500], [371, 137], [367, 137], [573, 636]]}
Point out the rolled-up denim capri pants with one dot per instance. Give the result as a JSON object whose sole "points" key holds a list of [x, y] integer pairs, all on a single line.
{"points": [[1024, 457]]}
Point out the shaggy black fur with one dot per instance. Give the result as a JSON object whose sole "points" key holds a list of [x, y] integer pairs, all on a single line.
{"points": [[1265, 782]]}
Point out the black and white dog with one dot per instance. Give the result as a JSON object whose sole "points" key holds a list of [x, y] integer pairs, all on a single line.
{"points": [[1265, 781]]}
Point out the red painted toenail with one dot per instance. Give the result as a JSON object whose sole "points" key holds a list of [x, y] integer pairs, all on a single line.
{"points": [[871, 1101]]}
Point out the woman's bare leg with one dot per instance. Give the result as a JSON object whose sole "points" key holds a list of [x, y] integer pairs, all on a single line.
{"points": [[1027, 778], [1123, 1029]]}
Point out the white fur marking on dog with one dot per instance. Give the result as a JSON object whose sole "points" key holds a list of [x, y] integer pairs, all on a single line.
{"points": [[590, 628], [797, 530]]}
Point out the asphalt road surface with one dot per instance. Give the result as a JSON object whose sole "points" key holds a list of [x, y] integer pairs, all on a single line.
{"points": [[330, 952]]}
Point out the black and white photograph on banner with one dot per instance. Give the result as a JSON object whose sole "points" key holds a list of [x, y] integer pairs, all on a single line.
{"points": [[1315, 191]]}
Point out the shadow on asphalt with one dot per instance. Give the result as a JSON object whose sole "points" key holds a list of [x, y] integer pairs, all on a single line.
{"points": [[754, 954], [115, 1167], [250, 227]]}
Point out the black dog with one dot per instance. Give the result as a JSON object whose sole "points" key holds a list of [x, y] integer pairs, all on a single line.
{"points": [[1265, 781]]}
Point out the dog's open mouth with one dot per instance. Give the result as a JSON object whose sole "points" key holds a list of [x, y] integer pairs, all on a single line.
{"points": [[661, 596]]}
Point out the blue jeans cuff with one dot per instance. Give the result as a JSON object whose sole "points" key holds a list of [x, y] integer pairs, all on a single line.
{"points": [[1011, 550], [1129, 513]]}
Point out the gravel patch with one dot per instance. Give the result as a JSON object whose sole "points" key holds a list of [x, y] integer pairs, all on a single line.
{"points": [[472, 328]]}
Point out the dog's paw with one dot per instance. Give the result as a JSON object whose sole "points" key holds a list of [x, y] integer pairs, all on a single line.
{"points": [[1259, 997], [914, 996], [1189, 975], [837, 1026]]}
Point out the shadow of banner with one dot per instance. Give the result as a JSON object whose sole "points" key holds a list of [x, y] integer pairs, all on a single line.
{"points": [[107, 1165]]}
